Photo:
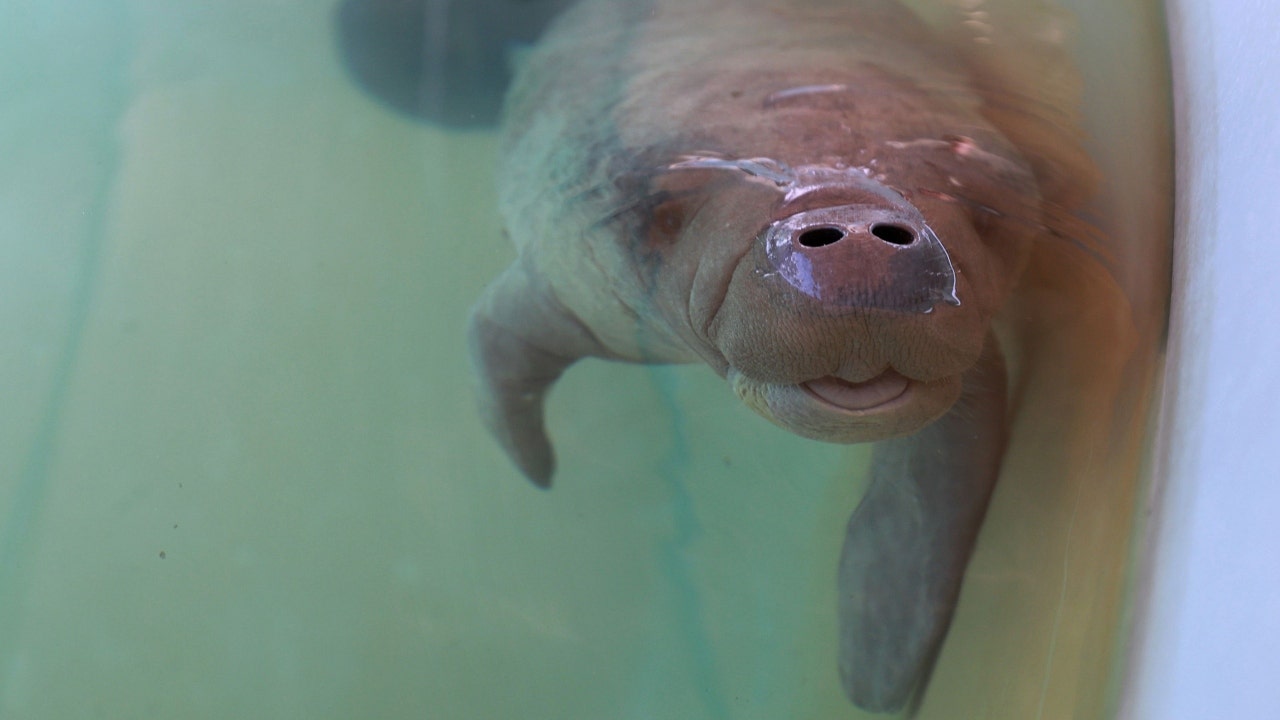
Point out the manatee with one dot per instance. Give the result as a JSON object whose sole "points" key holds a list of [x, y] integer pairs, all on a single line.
{"points": [[819, 200]]}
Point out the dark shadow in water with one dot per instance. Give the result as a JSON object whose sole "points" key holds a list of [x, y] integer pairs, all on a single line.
{"points": [[446, 62]]}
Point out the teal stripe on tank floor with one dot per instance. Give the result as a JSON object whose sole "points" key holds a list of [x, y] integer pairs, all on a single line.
{"points": [[91, 106], [686, 602]]}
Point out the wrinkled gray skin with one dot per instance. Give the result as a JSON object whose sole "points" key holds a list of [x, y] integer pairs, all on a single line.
{"points": [[806, 196]]}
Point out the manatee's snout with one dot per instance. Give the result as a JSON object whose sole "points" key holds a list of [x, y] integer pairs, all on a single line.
{"points": [[845, 322], [877, 257]]}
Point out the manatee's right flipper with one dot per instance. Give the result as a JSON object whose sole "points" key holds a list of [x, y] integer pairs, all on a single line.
{"points": [[908, 542], [522, 338]]}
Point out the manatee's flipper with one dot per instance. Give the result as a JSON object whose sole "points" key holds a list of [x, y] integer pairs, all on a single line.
{"points": [[444, 61], [908, 542], [522, 338]]}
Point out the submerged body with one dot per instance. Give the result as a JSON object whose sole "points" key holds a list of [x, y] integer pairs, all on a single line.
{"points": [[816, 199]]}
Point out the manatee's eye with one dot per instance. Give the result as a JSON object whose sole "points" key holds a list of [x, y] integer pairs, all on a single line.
{"points": [[672, 199], [668, 217]]}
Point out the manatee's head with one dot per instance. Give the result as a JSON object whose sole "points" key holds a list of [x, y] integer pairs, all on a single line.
{"points": [[845, 304]]}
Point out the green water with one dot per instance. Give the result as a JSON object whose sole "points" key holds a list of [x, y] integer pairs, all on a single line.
{"points": [[240, 471]]}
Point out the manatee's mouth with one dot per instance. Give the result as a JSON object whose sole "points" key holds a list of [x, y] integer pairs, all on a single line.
{"points": [[834, 410], [858, 396]]}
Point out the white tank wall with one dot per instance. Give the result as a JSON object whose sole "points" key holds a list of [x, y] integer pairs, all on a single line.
{"points": [[1208, 630]]}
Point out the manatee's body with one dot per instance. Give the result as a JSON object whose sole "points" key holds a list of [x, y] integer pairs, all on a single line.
{"points": [[809, 197]]}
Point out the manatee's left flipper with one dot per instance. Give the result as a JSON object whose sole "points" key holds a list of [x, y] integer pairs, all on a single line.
{"points": [[908, 542], [522, 338]]}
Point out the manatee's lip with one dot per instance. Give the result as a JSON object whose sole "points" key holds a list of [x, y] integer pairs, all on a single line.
{"points": [[878, 393]]}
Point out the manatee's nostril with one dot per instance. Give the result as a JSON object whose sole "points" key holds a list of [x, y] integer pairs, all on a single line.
{"points": [[819, 237], [893, 234]]}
